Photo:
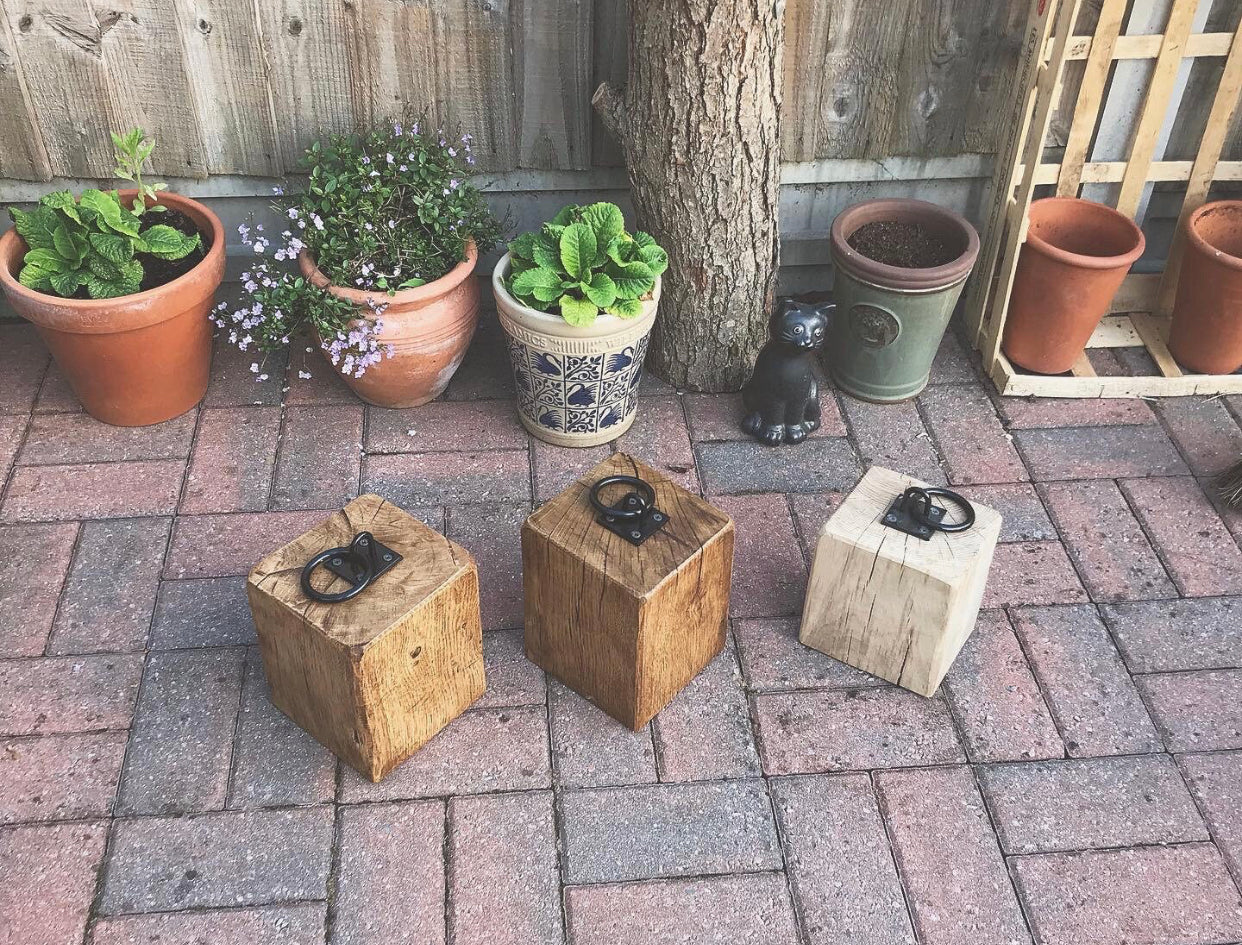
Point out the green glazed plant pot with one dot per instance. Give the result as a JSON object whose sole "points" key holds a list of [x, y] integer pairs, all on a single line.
{"points": [[890, 320]]}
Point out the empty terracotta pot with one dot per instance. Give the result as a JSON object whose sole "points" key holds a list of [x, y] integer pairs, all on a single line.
{"points": [[429, 329], [1207, 317], [138, 359], [1074, 259]]}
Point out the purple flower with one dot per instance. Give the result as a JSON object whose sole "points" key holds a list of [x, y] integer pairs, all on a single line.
{"points": [[366, 160]]}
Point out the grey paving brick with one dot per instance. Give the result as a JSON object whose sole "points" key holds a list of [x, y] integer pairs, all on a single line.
{"points": [[664, 830], [235, 858], [817, 465]]}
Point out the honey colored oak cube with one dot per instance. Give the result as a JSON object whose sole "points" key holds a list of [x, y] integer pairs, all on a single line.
{"points": [[889, 603], [375, 677], [627, 626]]}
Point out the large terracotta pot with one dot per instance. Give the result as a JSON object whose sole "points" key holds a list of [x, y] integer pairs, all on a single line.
{"points": [[429, 329], [1206, 335], [135, 360], [1074, 259], [576, 385], [890, 320]]}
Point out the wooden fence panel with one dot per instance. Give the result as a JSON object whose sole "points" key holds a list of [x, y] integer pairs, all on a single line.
{"points": [[393, 60], [58, 43], [22, 154], [308, 71], [242, 86], [552, 77], [231, 97]]}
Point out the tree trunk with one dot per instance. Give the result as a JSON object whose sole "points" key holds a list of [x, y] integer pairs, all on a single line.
{"points": [[698, 124]]}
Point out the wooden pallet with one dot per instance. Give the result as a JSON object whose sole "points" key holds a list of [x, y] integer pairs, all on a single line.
{"points": [[1140, 313]]}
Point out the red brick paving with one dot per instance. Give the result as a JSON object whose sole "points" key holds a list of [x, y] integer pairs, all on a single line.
{"points": [[1117, 897], [535, 817]]}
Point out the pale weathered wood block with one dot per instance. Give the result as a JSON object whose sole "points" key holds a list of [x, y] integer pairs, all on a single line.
{"points": [[889, 603], [626, 626], [375, 677]]}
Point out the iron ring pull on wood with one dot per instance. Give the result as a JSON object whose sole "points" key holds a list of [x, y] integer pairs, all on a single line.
{"points": [[634, 516], [914, 513], [359, 563]]}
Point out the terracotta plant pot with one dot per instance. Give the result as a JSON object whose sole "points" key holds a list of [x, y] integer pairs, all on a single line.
{"points": [[890, 319], [1074, 259], [138, 359], [1206, 335], [429, 327], [576, 385]]}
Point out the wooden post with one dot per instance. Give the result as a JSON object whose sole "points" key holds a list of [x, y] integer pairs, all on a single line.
{"points": [[697, 122]]}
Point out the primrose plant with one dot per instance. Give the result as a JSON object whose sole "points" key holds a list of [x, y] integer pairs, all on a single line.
{"points": [[382, 211], [96, 244], [583, 262]]}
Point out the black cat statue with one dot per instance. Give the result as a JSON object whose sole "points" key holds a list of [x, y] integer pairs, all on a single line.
{"points": [[782, 395]]}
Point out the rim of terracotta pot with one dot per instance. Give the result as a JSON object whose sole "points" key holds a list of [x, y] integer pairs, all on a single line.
{"points": [[903, 210], [402, 297], [1084, 207], [603, 325], [125, 312], [1218, 255]]}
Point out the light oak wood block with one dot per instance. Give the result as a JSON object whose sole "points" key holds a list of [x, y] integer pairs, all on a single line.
{"points": [[889, 603], [626, 626], [375, 677]]}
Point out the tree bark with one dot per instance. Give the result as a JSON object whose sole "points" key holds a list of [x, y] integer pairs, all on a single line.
{"points": [[698, 123]]}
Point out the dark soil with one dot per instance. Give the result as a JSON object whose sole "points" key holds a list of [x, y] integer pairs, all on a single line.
{"points": [[157, 272], [906, 245]]}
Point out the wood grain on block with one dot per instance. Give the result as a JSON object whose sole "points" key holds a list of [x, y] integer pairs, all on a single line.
{"points": [[626, 626], [375, 677], [889, 603]]}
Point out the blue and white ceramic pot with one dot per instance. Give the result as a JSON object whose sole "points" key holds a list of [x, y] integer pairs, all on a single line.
{"points": [[576, 386]]}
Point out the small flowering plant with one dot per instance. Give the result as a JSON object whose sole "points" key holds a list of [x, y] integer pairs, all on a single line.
{"points": [[381, 211]]}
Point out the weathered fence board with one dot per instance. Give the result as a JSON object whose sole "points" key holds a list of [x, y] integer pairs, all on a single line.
{"points": [[228, 84], [242, 86]]}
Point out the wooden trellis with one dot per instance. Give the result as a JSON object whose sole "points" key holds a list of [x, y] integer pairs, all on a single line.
{"points": [[1140, 312]]}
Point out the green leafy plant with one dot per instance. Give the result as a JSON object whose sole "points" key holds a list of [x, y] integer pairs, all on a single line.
{"points": [[132, 150], [583, 262], [94, 243]]}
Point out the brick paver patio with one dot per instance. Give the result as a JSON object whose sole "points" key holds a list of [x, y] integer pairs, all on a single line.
{"points": [[1078, 780]]}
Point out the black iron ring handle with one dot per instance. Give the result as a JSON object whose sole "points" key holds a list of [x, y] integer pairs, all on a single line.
{"points": [[646, 497], [360, 552], [925, 496]]}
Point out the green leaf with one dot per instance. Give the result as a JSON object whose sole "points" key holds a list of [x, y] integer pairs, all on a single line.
{"points": [[102, 289], [655, 258], [626, 308], [102, 269], [112, 247], [526, 282], [68, 246], [644, 240], [578, 311], [37, 227], [165, 242], [606, 220], [32, 277], [601, 290], [634, 279], [578, 250], [619, 250], [547, 293], [110, 209], [45, 259], [63, 201], [565, 216], [547, 252], [412, 283], [524, 247], [66, 284]]}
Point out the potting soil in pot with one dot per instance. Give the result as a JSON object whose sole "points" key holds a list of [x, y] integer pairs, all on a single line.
{"points": [[906, 245]]}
